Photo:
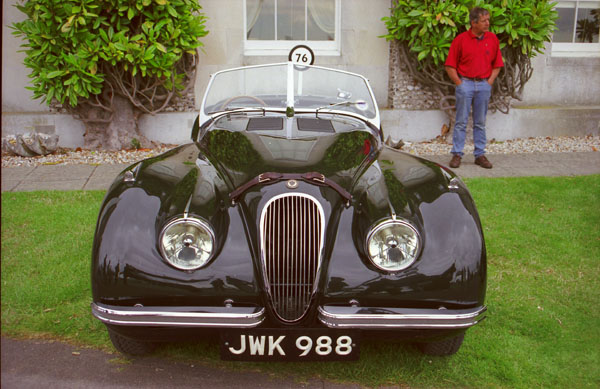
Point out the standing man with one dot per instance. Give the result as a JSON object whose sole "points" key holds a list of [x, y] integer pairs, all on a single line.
{"points": [[473, 64]]}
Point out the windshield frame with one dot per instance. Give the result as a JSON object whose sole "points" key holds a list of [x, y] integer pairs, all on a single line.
{"points": [[290, 109]]}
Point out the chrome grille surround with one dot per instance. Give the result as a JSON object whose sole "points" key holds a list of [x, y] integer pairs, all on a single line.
{"points": [[292, 232]]}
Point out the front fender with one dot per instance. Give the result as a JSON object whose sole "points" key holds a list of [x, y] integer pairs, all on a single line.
{"points": [[127, 267], [451, 269]]}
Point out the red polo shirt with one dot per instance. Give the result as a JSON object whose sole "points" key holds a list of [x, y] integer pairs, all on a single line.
{"points": [[473, 57]]}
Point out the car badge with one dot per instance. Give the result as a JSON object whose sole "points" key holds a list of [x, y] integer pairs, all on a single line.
{"points": [[292, 184]]}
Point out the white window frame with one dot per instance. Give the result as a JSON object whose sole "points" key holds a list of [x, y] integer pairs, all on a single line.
{"points": [[283, 47], [575, 49]]}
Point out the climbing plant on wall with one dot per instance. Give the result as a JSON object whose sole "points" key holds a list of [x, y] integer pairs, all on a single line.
{"points": [[424, 31], [106, 61]]}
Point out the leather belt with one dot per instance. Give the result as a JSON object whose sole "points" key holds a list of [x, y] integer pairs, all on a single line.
{"points": [[474, 78], [272, 177]]}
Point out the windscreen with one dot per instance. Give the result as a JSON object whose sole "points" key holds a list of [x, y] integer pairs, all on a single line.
{"points": [[313, 88]]}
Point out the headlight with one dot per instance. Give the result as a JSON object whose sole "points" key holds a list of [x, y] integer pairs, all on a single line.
{"points": [[187, 243], [393, 245]]}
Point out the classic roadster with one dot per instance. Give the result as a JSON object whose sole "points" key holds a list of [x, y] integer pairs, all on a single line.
{"points": [[289, 228]]}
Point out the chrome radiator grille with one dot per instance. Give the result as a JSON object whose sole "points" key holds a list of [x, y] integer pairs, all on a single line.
{"points": [[291, 242]]}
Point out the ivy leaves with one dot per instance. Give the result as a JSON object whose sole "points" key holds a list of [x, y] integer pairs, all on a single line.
{"points": [[68, 42], [524, 25], [428, 27]]}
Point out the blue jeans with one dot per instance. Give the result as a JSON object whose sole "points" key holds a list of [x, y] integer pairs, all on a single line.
{"points": [[476, 94]]}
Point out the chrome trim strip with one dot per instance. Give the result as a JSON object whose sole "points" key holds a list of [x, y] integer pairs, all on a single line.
{"points": [[398, 318], [234, 317], [214, 116], [186, 212]]}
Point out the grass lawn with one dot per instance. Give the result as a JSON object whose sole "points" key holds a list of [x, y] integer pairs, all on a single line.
{"points": [[543, 326]]}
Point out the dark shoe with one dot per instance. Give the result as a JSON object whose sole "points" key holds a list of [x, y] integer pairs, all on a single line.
{"points": [[455, 161], [483, 162]]}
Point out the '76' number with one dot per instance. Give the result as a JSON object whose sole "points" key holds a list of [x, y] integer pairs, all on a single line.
{"points": [[324, 345], [301, 57]]}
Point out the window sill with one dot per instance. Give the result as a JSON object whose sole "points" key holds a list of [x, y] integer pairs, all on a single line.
{"points": [[285, 52], [575, 54], [575, 50], [272, 48], [568, 60]]}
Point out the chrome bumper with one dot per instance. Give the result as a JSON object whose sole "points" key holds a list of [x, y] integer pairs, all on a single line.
{"points": [[234, 317], [399, 318]]}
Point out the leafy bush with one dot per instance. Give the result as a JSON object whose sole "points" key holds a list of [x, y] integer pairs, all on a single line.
{"points": [[425, 30], [107, 60], [72, 44], [430, 26], [232, 149], [347, 152]]}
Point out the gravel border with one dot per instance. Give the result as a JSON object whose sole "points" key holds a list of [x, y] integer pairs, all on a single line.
{"points": [[558, 144]]}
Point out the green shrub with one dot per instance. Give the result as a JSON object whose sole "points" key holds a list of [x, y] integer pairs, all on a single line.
{"points": [[430, 26], [73, 47], [424, 31]]}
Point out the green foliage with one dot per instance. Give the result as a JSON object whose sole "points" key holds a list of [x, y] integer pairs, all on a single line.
{"points": [[46, 287], [69, 41], [347, 152], [395, 189], [135, 144], [232, 149], [430, 26]]}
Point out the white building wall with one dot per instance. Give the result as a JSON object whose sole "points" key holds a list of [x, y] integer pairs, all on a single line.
{"points": [[563, 81], [15, 98], [560, 88], [362, 51]]}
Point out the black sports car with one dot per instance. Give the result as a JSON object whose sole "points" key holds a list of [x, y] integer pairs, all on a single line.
{"points": [[289, 228]]}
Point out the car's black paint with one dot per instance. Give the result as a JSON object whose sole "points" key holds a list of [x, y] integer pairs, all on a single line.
{"points": [[321, 128], [127, 267]]}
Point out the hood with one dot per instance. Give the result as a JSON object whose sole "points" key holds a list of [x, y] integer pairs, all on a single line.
{"points": [[241, 156], [223, 160]]}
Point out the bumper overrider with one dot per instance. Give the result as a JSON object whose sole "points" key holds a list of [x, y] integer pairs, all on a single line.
{"points": [[248, 317]]}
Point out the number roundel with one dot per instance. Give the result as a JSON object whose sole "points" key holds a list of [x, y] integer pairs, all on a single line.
{"points": [[302, 55]]}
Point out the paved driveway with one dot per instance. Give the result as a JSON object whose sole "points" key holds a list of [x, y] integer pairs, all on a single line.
{"points": [[99, 177], [34, 364]]}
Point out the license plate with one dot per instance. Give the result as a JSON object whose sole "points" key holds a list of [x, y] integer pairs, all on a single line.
{"points": [[289, 345]]}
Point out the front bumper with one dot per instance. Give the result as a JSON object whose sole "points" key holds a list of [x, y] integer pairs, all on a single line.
{"points": [[209, 317], [367, 318], [344, 317]]}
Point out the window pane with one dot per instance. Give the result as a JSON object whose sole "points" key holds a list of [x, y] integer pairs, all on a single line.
{"points": [[321, 20], [588, 25], [564, 25], [291, 20], [260, 19]]}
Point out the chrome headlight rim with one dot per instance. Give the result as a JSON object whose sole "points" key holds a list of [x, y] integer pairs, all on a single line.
{"points": [[386, 223], [195, 221]]}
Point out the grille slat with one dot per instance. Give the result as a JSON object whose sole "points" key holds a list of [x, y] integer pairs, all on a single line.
{"points": [[291, 239]]}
